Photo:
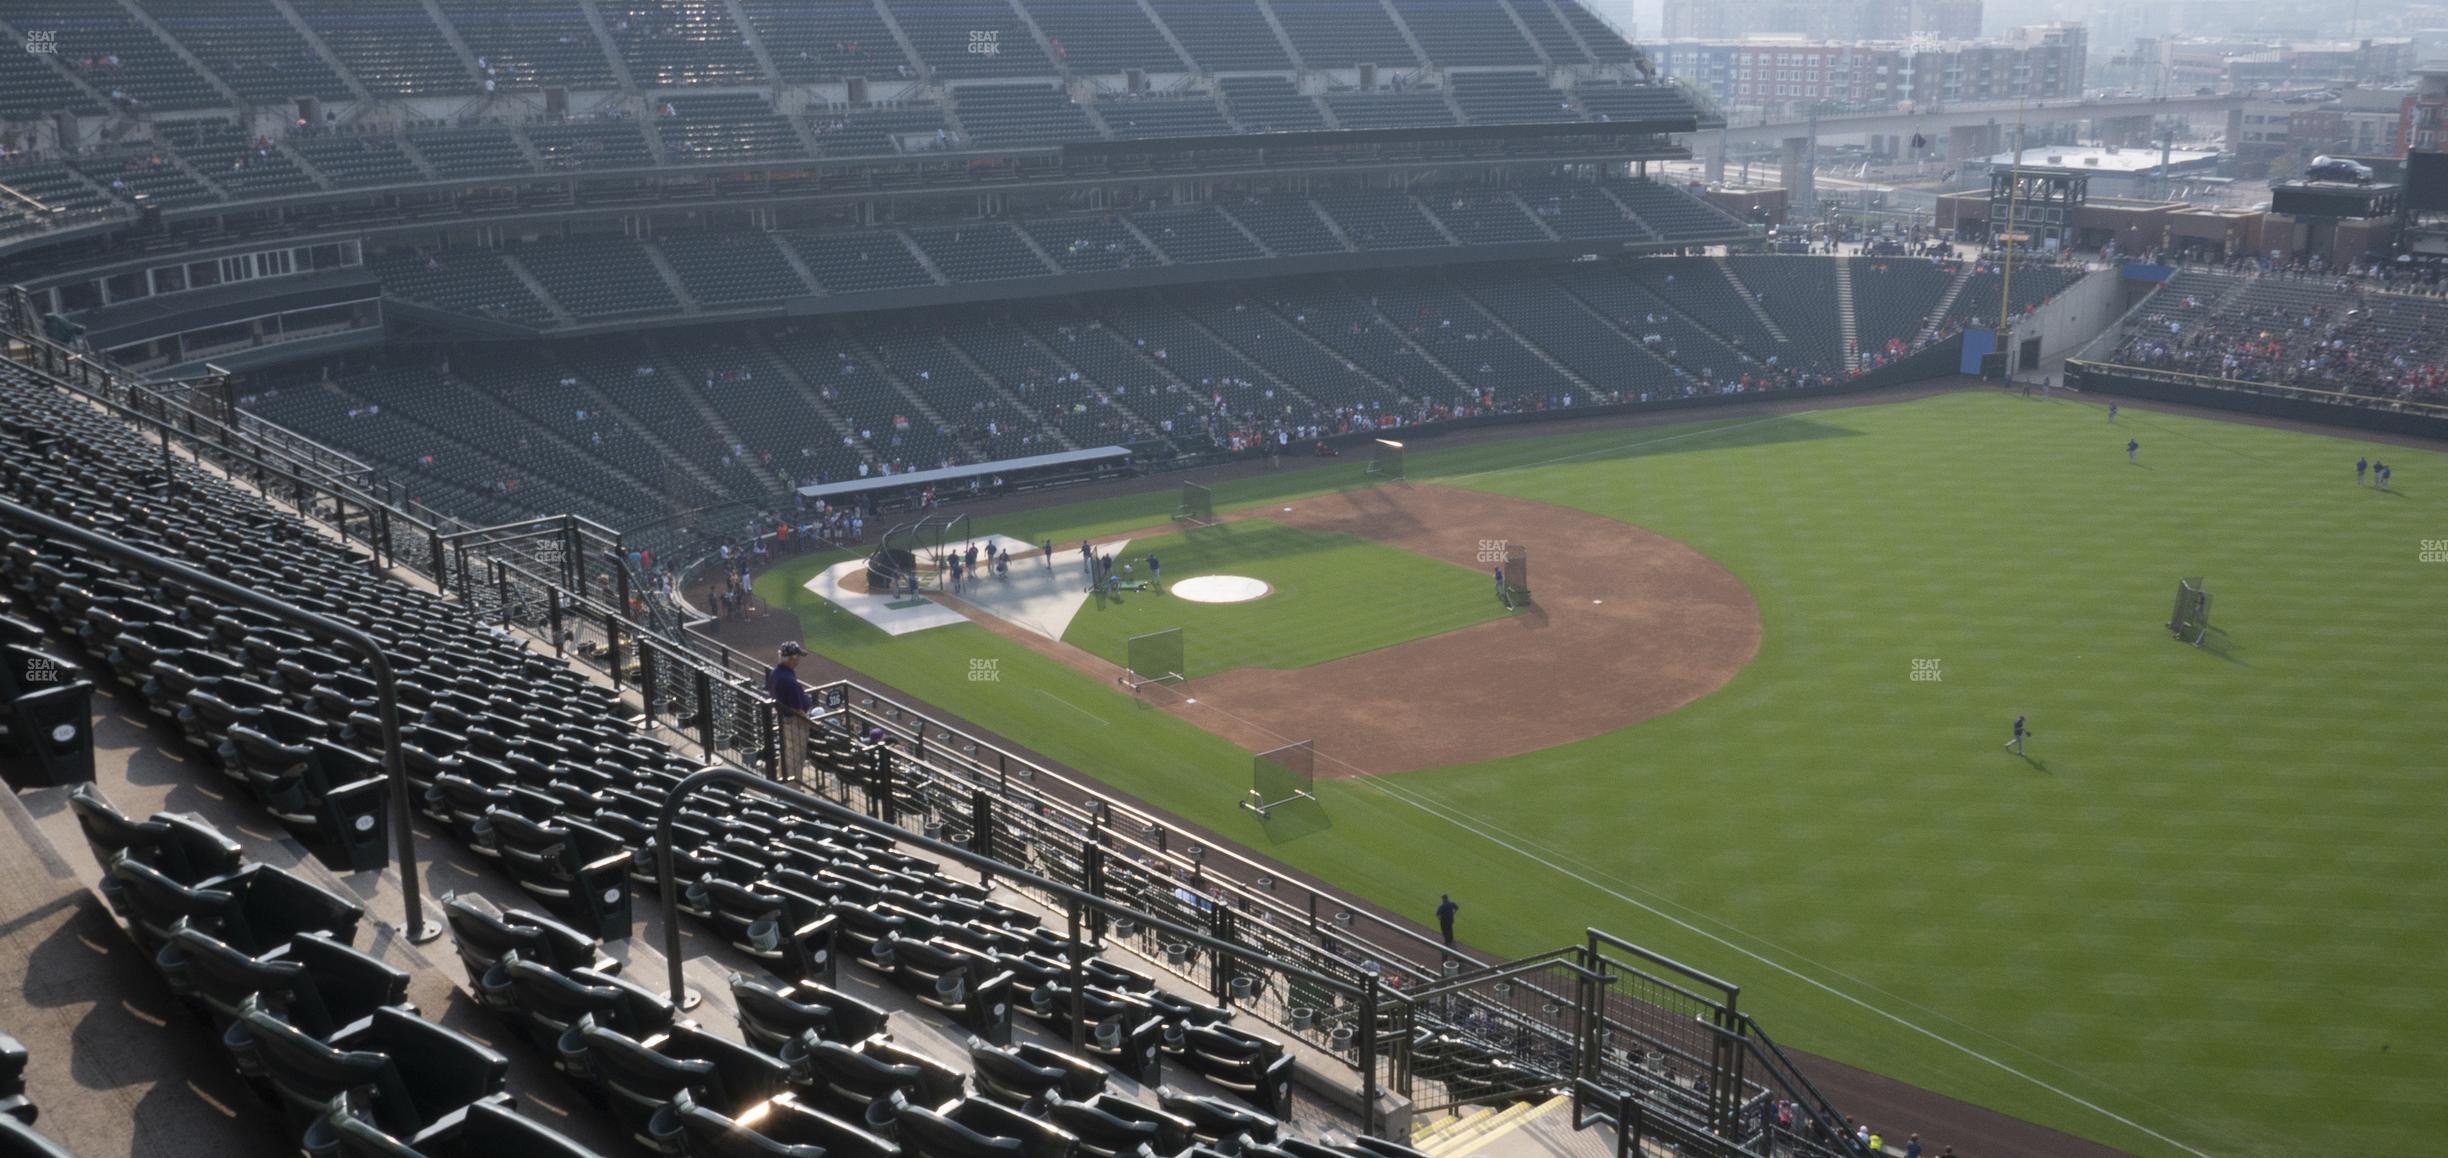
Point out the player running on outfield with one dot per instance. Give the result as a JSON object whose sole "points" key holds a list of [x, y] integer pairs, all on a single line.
{"points": [[2020, 733]]}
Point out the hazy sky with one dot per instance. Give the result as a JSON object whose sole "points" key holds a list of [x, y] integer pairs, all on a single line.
{"points": [[1642, 16]]}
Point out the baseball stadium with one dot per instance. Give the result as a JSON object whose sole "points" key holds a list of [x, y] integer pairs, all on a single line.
{"points": [[1177, 579]]}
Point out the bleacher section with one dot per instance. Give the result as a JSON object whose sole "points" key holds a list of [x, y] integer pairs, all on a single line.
{"points": [[1796, 294], [2292, 330], [1635, 102], [1343, 33], [1508, 98], [355, 162], [599, 277], [222, 152], [532, 44], [1409, 109], [1199, 233], [2033, 283], [1582, 209], [1483, 216], [31, 87], [1605, 43], [1473, 34], [822, 41], [1377, 221], [1673, 214], [1194, 114], [615, 144], [1893, 297], [1270, 104], [877, 131], [392, 46], [468, 281], [1548, 30], [732, 269], [861, 261], [1324, 344], [1103, 36], [71, 199], [267, 954], [969, 38], [1288, 225], [1004, 115], [1224, 35], [1445, 324], [249, 46], [1085, 245], [978, 251], [153, 174], [1644, 316], [669, 43], [735, 127], [477, 152], [119, 58]]}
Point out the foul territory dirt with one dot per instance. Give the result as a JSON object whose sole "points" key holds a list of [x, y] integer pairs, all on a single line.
{"points": [[1623, 625]]}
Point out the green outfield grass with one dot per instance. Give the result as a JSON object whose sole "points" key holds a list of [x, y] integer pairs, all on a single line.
{"points": [[2209, 913], [1332, 596]]}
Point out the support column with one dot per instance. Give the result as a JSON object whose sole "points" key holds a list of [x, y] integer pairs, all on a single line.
{"points": [[1716, 160], [1801, 195]]}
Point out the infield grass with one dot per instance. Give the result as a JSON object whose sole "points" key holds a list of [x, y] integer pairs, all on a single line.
{"points": [[1314, 610], [2209, 913]]}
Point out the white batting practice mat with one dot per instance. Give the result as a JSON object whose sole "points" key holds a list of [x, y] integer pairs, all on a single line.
{"points": [[897, 615], [1041, 598], [1218, 589]]}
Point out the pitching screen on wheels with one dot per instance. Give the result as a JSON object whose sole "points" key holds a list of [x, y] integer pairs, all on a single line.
{"points": [[1197, 504], [2192, 607], [1157, 656], [1283, 773], [1517, 569]]}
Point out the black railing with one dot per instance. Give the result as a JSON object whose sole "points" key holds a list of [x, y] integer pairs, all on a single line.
{"points": [[378, 668]]}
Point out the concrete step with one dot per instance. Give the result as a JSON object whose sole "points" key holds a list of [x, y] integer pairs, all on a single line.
{"points": [[1506, 1128]]}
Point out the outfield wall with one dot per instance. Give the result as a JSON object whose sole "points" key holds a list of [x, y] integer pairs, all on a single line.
{"points": [[2254, 398]]}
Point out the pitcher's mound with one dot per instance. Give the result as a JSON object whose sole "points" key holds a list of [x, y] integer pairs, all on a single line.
{"points": [[1218, 589]]}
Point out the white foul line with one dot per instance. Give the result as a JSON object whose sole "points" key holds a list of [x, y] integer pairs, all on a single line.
{"points": [[1406, 798]]}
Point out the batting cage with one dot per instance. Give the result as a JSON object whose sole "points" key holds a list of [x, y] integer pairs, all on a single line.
{"points": [[916, 554], [1197, 506], [1280, 776], [2191, 620], [1387, 460], [1154, 658]]}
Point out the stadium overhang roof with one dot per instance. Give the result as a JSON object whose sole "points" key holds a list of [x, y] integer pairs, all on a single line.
{"points": [[960, 474]]}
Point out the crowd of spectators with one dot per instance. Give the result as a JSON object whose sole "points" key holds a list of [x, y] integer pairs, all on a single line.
{"points": [[2358, 333]]}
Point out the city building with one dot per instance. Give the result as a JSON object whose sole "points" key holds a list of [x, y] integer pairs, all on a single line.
{"points": [[1777, 75]]}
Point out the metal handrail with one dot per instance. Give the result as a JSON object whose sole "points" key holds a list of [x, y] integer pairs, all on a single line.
{"points": [[1365, 996], [386, 682]]}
